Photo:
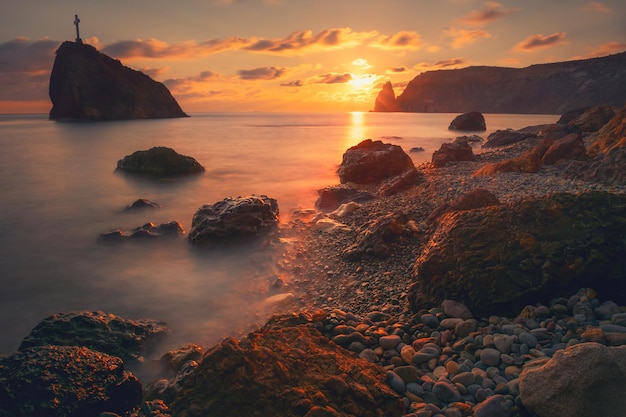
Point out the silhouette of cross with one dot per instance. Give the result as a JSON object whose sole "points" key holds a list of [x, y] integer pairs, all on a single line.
{"points": [[76, 22]]}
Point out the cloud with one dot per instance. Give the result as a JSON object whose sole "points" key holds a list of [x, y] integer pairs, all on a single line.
{"points": [[490, 12], [328, 39], [396, 70], [153, 48], [455, 62], [539, 41], [361, 63], [262, 73], [297, 83], [605, 49], [595, 6], [462, 37], [334, 78], [400, 40]]}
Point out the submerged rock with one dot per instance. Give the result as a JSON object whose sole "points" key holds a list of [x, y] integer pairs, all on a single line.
{"points": [[159, 161], [127, 339], [65, 381], [146, 231], [372, 161], [88, 85], [470, 122], [142, 203], [234, 219]]}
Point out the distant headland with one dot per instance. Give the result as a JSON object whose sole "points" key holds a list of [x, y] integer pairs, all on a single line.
{"points": [[538, 89], [88, 85]]}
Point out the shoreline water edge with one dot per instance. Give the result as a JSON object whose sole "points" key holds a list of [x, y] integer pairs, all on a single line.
{"points": [[356, 330]]}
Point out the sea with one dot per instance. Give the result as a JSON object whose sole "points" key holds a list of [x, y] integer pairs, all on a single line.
{"points": [[59, 190]]}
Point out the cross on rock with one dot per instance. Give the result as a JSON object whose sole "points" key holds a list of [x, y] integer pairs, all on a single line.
{"points": [[76, 22]]}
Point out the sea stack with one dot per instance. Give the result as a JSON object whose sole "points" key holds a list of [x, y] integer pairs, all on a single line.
{"points": [[88, 85]]}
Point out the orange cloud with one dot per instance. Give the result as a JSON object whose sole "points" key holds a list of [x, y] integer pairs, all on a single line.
{"points": [[153, 48], [490, 12], [455, 62], [400, 40], [262, 73], [595, 6], [462, 37], [539, 41], [396, 70], [333, 78], [328, 39], [605, 49]]}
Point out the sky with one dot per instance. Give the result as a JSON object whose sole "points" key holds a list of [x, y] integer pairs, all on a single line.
{"points": [[296, 55]]}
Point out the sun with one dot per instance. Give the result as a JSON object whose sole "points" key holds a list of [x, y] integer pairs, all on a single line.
{"points": [[362, 81]]}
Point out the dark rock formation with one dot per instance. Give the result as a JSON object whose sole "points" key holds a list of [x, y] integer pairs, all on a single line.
{"points": [[593, 119], [375, 237], [567, 148], [582, 380], [400, 182], [386, 99], [159, 162], [372, 161], [469, 122], [498, 259], [65, 381], [233, 220], [476, 198], [140, 204], [147, 231], [568, 116], [284, 371], [127, 339], [88, 85], [539, 89], [330, 198], [452, 152], [506, 137]]}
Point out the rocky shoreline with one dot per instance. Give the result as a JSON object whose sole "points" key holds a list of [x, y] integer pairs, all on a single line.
{"points": [[350, 338]]}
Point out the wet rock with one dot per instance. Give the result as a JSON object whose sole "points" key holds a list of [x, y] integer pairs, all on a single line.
{"points": [[400, 182], [330, 198], [452, 152], [141, 204], [61, 381], [284, 372], [372, 161], [476, 198], [159, 162], [498, 259], [593, 119], [233, 220], [471, 122], [567, 148], [506, 137], [375, 237], [147, 231], [582, 380], [129, 340]]}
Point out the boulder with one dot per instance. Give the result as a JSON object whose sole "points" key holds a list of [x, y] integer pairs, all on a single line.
{"points": [[141, 204], [452, 152], [330, 198], [159, 162], [372, 161], [567, 148], [65, 381], [129, 340], [375, 237], [469, 122], [528, 162], [473, 199], [386, 99], [498, 259], [400, 182], [234, 220], [610, 136], [571, 115], [587, 379], [593, 119], [284, 371], [146, 231], [506, 137], [88, 85]]}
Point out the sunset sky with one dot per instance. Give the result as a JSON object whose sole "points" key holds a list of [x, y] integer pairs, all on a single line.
{"points": [[296, 55]]}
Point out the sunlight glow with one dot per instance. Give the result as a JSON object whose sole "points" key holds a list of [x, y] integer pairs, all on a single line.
{"points": [[362, 81], [357, 128]]}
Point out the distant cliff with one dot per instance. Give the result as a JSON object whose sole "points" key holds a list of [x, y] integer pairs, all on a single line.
{"points": [[538, 89], [88, 85]]}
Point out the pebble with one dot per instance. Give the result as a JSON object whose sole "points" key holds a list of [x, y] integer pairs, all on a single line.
{"points": [[389, 342], [490, 357]]}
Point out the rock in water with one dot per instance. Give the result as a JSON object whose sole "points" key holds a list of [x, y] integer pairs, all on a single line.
{"points": [[61, 381], [88, 85], [159, 161], [588, 379], [386, 99], [470, 122], [234, 219], [372, 161]]}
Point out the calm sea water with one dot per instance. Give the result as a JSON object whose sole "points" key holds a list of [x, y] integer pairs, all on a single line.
{"points": [[59, 191]]}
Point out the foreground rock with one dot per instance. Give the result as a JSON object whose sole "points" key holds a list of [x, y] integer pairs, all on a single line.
{"points": [[587, 379], [233, 220], [159, 161], [88, 85], [372, 161], [127, 339], [469, 122], [146, 231], [498, 259], [330, 198], [284, 371], [452, 152], [65, 381]]}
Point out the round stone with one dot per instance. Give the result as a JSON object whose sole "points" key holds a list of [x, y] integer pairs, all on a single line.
{"points": [[465, 327], [503, 342], [430, 320], [389, 342], [528, 339], [407, 352], [465, 378], [446, 392], [490, 356]]}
